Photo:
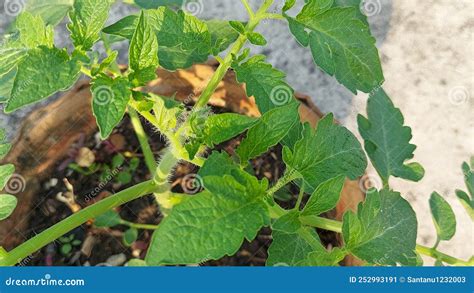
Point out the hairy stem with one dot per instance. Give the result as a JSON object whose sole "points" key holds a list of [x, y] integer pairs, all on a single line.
{"points": [[143, 139], [175, 145], [284, 180]]}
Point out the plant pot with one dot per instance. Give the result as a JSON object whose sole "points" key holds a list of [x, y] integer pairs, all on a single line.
{"points": [[48, 133]]}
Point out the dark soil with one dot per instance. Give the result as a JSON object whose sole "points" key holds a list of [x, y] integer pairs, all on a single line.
{"points": [[96, 245]]}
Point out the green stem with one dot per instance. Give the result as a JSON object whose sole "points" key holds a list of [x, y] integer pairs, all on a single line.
{"points": [[322, 223], [248, 8], [266, 4], [300, 199], [86, 71], [75, 220], [442, 256], [336, 226], [227, 62], [220, 73], [287, 178], [159, 184], [175, 145], [143, 139], [167, 163], [139, 226]]}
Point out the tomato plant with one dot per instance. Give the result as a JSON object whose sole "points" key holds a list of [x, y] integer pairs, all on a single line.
{"points": [[234, 204]]}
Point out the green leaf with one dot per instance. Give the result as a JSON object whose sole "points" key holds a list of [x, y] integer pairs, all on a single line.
{"points": [[124, 177], [109, 102], [332, 151], [87, 19], [468, 171], [149, 4], [386, 140], [66, 249], [222, 127], [33, 31], [183, 38], [7, 205], [105, 63], [143, 53], [42, 73], [4, 149], [270, 129], [256, 39], [166, 112], [466, 202], [218, 164], [237, 26], [130, 236], [9, 58], [293, 136], [292, 242], [117, 161], [325, 197], [357, 4], [6, 171], [288, 5], [443, 217], [108, 219], [51, 11], [222, 35], [324, 257], [213, 223], [125, 27], [265, 83], [6, 85], [384, 230], [340, 42]]}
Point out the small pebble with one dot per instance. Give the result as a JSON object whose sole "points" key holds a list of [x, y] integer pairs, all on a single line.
{"points": [[116, 260]]}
